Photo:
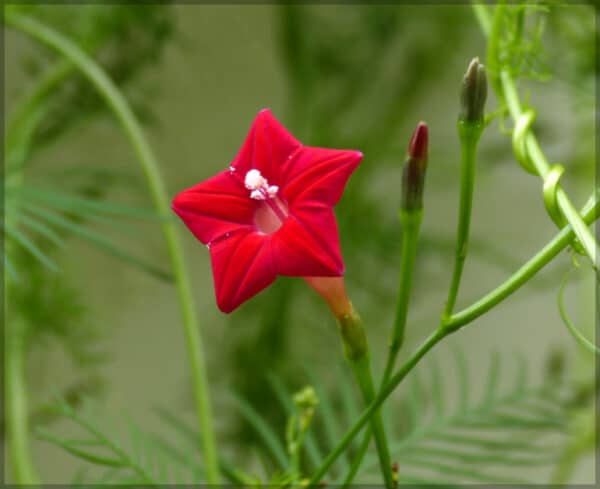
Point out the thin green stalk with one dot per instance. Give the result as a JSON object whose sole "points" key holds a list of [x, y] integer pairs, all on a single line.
{"points": [[122, 111], [469, 137], [482, 16], [358, 459], [17, 422], [577, 335], [364, 377], [411, 224], [522, 275], [356, 350], [513, 283], [370, 411], [15, 348]]}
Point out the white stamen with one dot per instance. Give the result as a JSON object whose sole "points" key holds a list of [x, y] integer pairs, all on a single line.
{"points": [[261, 190], [254, 180], [231, 169], [257, 195]]}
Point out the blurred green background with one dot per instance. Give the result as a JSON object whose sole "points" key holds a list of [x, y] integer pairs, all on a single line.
{"points": [[357, 77]]}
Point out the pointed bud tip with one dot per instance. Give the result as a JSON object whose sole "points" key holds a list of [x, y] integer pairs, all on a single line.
{"points": [[417, 148], [413, 175], [474, 66], [473, 92]]}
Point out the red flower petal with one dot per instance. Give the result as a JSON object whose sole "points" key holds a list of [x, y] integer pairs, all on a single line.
{"points": [[242, 267], [267, 146], [213, 208], [318, 174], [308, 245]]}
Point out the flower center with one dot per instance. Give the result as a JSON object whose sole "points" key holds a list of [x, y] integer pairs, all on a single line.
{"points": [[271, 211]]}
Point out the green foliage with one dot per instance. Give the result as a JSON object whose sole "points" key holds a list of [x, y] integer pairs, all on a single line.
{"points": [[44, 208], [141, 458], [268, 436], [51, 215], [508, 427], [479, 440], [53, 309], [102, 30], [58, 100], [572, 38], [521, 43]]}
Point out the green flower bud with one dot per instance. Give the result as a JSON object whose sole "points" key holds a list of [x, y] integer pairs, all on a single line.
{"points": [[473, 93], [306, 398]]}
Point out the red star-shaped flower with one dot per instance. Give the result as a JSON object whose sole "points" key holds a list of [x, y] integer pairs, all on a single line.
{"points": [[270, 213]]}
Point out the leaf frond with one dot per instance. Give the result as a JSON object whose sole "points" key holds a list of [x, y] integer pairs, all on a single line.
{"points": [[98, 240], [144, 459], [262, 428], [508, 427]]}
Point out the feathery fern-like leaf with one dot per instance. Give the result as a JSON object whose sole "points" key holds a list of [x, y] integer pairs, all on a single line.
{"points": [[98, 240], [144, 460], [506, 428], [270, 438]]}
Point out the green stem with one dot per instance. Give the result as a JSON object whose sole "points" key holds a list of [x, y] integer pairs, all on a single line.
{"points": [[370, 411], [579, 337], [17, 422], [506, 89], [469, 137], [122, 111], [357, 352], [483, 17], [411, 224], [362, 372], [296, 454], [358, 459], [524, 274], [536, 263], [15, 348]]}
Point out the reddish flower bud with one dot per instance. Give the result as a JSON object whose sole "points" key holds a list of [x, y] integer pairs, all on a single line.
{"points": [[413, 177], [417, 147]]}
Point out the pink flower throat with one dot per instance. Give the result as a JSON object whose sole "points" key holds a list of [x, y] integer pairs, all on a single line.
{"points": [[271, 211]]}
